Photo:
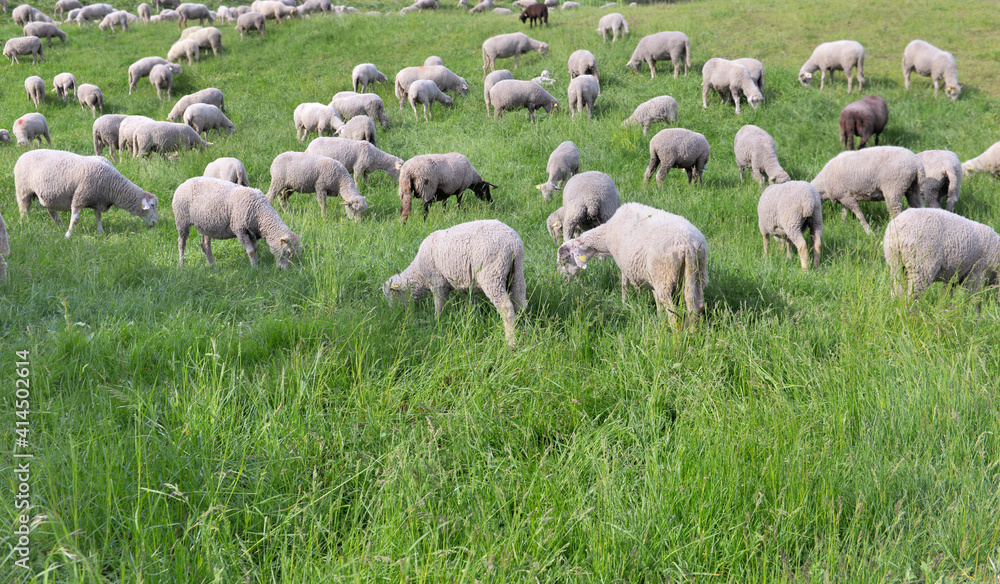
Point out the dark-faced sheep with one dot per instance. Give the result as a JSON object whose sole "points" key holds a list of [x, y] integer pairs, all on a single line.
{"points": [[536, 12], [863, 118]]}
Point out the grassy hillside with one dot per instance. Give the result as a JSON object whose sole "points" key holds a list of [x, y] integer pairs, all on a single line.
{"points": [[264, 426]]}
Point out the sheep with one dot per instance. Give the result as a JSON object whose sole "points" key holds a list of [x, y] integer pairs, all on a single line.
{"points": [[4, 244], [165, 16], [4, 136], [614, 23], [677, 148], [165, 4], [350, 104], [24, 14], [923, 246], [509, 45], [503, 11], [835, 56], [315, 6], [582, 62], [208, 38], [185, 48], [93, 12], [364, 75], [569, 5], [482, 6], [250, 21], [26, 45], [428, 4], [230, 169], [31, 127], [590, 199], [161, 78], [658, 109], [930, 61], [144, 12], [64, 6], [729, 79], [71, 15], [426, 92], [408, 9], [303, 172], [238, 11], [522, 4], [433, 61], [187, 32], [863, 118], [511, 94], [225, 15], [63, 181], [315, 117], [210, 95], [552, 3], [756, 69], [35, 88], [164, 137], [106, 133], [671, 45], [142, 67], [203, 117], [537, 12], [361, 158], [563, 163], [91, 96], [543, 79], [785, 211], [189, 11], [118, 17], [436, 177], [988, 161], [879, 173], [942, 178], [44, 30], [583, 91], [62, 84], [651, 248], [490, 81], [755, 149], [272, 9], [126, 132], [219, 209], [359, 128], [440, 75]]}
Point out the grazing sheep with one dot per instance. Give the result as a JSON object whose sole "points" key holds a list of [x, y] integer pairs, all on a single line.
{"points": [[126, 132], [64, 6], [63, 84], [651, 248], [210, 95], [274, 10], [165, 16], [552, 3], [118, 17], [442, 77], [569, 5], [93, 12], [4, 244], [162, 79], [433, 61], [658, 109], [563, 163], [988, 161], [315, 117], [224, 15], [142, 67], [614, 23], [31, 127], [583, 91], [942, 178], [91, 96], [482, 6], [208, 38], [436, 177], [835, 56], [219, 209], [359, 128], [185, 48], [522, 4], [230, 169], [24, 14], [930, 61], [755, 149], [509, 45], [360, 158], [512, 94], [756, 69], [426, 92], [537, 12], [71, 15], [44, 30], [350, 104], [923, 246], [250, 21], [205, 116], [63, 181], [863, 118], [677, 148], [503, 11], [106, 133], [238, 11], [729, 79], [144, 12], [879, 173], [26, 45], [164, 137], [785, 211], [311, 173], [35, 87], [661, 46], [189, 11], [543, 79], [364, 75], [485, 255], [582, 62], [590, 199], [490, 81]]}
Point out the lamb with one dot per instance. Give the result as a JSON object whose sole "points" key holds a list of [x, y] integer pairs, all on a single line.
{"points": [[118, 17], [482, 6], [614, 23], [563, 163], [729, 79], [537, 12], [208, 38], [490, 81], [315, 117], [162, 79], [441, 76], [230, 169], [512, 94], [26, 45], [873, 174], [4, 248], [91, 96], [503, 11], [189, 11], [44, 30], [436, 177], [863, 118], [755, 149], [93, 12], [361, 158], [64, 6], [583, 91], [677, 148], [359, 128], [250, 21], [311, 173], [210, 95], [486, 255], [219, 209], [923, 246], [203, 117], [785, 211], [63, 181], [569, 5], [835, 56], [426, 92], [144, 12], [165, 137], [31, 127], [658, 109], [509, 45], [364, 75], [988, 161], [652, 248], [942, 178], [590, 199], [930, 61], [35, 88], [126, 132], [582, 62], [185, 48], [543, 79], [433, 61], [106, 133], [671, 45], [142, 67], [62, 84], [756, 69], [350, 104]]}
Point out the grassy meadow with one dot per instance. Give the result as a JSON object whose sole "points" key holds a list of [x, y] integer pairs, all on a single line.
{"points": [[231, 425]]}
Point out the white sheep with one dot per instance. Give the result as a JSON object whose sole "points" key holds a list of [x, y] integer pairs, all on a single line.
{"points": [[988, 161], [90, 95], [4, 136], [590, 199], [250, 21], [361, 158], [31, 127], [230, 169], [433, 61], [162, 79], [436, 177], [63, 181], [219, 209], [24, 14], [274, 10], [190, 11], [485, 255], [35, 88], [930, 61], [729, 79], [311, 173], [509, 45], [26, 45], [563, 163], [785, 211], [44, 30], [569, 5], [207, 38], [364, 75], [142, 67], [658, 109], [835, 56], [482, 6], [426, 92], [942, 178], [144, 12], [582, 62], [118, 17], [315, 117], [64, 6], [661, 46], [63, 84], [651, 248], [756, 69], [205, 116], [350, 104], [106, 133], [209, 95], [878, 173], [677, 148], [490, 81], [164, 137], [582, 92], [440, 75], [185, 48], [614, 23], [126, 132], [512, 94], [4, 246], [502, 11], [359, 128], [755, 149], [93, 12], [544, 79]]}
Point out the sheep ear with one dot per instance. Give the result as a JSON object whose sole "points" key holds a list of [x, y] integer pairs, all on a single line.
{"points": [[394, 286], [581, 260], [539, 187]]}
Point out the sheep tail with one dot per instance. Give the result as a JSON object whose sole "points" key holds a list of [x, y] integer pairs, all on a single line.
{"points": [[4, 245], [687, 53], [695, 280], [515, 283], [405, 194]]}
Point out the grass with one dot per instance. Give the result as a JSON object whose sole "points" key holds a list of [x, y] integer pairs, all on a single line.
{"points": [[265, 426]]}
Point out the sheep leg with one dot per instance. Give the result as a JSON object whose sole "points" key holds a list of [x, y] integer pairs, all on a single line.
{"points": [[440, 293], [206, 246], [817, 235], [517, 57], [97, 215], [767, 239], [321, 197], [652, 68], [74, 216], [664, 292], [704, 96], [856, 209], [531, 113], [654, 162], [501, 299], [250, 245], [182, 237], [665, 167], [425, 113], [52, 213], [935, 88], [803, 249], [624, 287], [906, 76], [822, 78]]}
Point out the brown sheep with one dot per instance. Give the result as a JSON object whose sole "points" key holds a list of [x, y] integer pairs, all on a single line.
{"points": [[863, 118], [536, 12]]}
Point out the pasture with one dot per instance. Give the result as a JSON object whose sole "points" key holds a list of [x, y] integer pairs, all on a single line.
{"points": [[264, 426]]}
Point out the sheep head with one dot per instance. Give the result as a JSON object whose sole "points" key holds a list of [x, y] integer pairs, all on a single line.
{"points": [[573, 256], [148, 206], [805, 78], [953, 91], [285, 249]]}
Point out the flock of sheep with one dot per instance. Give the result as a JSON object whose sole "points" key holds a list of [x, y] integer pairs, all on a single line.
{"points": [[652, 248]]}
